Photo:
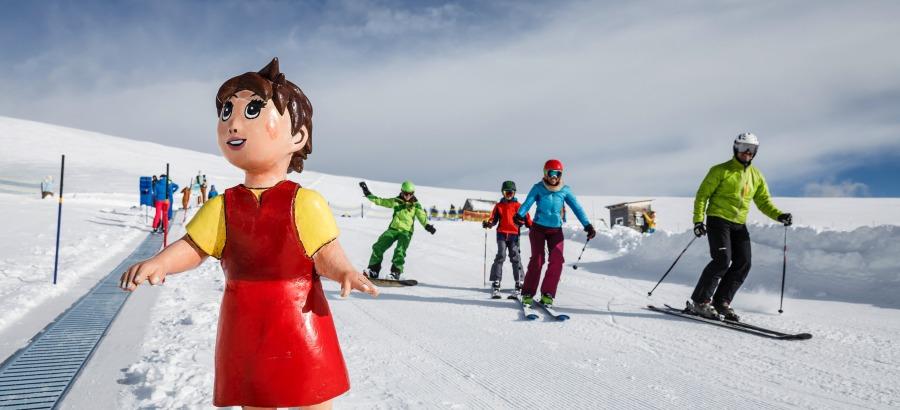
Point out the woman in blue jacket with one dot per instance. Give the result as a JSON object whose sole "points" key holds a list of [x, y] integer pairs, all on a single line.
{"points": [[551, 196], [162, 203]]}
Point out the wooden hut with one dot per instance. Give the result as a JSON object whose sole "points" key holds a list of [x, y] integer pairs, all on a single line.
{"points": [[477, 209], [630, 214]]}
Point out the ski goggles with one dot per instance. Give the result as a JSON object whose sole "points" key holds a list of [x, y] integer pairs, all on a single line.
{"points": [[554, 173], [743, 147], [509, 192], [407, 194]]}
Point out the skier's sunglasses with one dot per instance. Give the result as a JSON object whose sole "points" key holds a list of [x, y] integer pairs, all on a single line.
{"points": [[407, 194], [742, 147], [553, 173], [509, 192]]}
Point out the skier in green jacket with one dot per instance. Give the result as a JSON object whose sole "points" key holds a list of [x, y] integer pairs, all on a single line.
{"points": [[406, 210], [724, 199]]}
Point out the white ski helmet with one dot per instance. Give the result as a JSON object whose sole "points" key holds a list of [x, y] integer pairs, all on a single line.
{"points": [[746, 141]]}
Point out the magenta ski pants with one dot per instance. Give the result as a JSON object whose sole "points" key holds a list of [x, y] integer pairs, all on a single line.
{"points": [[553, 237]]}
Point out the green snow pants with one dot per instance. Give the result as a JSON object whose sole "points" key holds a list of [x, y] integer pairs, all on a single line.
{"points": [[384, 242]]}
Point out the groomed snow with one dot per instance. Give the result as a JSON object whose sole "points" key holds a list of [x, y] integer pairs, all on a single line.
{"points": [[444, 343]]}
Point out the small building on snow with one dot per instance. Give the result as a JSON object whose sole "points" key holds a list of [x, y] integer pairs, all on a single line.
{"points": [[630, 214], [477, 209]]}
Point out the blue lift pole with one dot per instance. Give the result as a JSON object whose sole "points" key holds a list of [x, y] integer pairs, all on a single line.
{"points": [[62, 174]]}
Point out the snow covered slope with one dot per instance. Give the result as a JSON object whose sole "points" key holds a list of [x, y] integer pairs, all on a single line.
{"points": [[444, 343]]}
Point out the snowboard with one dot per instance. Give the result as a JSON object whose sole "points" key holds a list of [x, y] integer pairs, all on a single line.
{"points": [[391, 283]]}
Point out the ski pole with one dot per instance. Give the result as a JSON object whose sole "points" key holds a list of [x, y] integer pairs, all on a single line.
{"points": [[650, 293], [62, 175], [575, 265], [166, 222], [783, 272], [484, 271]]}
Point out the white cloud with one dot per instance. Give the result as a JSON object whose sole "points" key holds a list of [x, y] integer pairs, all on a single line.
{"points": [[830, 188], [636, 98]]}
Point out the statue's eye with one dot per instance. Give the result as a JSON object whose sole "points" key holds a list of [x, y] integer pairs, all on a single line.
{"points": [[227, 108], [253, 108]]}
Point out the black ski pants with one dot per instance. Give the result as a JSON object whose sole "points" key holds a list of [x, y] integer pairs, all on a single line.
{"points": [[729, 246]]}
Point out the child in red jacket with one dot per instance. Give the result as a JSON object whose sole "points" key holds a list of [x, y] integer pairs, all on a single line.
{"points": [[507, 238]]}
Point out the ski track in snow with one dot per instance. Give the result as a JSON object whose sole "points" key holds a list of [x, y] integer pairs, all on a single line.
{"points": [[446, 344]]}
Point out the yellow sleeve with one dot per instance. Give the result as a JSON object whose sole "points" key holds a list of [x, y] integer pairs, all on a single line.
{"points": [[207, 227], [315, 223]]}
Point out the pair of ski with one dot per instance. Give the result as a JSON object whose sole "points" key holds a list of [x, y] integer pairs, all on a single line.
{"points": [[733, 325], [531, 313]]}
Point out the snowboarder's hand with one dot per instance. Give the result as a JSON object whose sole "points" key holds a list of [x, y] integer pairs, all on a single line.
{"points": [[365, 188], [141, 272], [699, 229], [430, 229], [357, 281], [591, 232], [518, 220], [786, 219]]}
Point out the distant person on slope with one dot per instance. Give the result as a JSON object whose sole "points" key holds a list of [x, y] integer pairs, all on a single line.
{"points": [[212, 192], [153, 187], [163, 201], [649, 225], [185, 201], [47, 186], [724, 199], [550, 195], [406, 210], [186, 197], [203, 186], [507, 238], [196, 185]]}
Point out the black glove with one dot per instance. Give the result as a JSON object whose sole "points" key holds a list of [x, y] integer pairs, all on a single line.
{"points": [[591, 232], [699, 229], [518, 220], [486, 224], [365, 189], [430, 229], [786, 219]]}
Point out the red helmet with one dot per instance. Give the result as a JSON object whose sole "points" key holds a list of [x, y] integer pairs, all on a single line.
{"points": [[553, 164]]}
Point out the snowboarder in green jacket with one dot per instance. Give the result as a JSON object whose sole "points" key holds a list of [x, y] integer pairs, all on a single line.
{"points": [[724, 199], [406, 210]]}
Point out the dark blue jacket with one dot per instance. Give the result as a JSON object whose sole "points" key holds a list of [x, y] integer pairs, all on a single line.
{"points": [[159, 191]]}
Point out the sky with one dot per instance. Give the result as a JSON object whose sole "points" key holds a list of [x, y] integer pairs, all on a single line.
{"points": [[635, 98]]}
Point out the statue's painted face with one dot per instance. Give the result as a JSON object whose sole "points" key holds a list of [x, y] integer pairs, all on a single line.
{"points": [[253, 136]]}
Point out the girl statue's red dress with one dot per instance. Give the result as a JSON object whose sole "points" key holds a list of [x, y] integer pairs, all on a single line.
{"points": [[276, 344]]}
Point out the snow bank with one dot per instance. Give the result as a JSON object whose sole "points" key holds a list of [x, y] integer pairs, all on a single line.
{"points": [[862, 265], [91, 235]]}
